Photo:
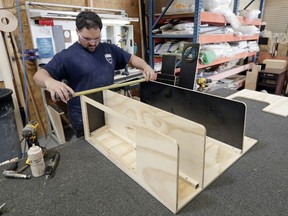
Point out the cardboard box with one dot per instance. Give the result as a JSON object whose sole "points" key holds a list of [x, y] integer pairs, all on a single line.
{"points": [[275, 63], [177, 6], [158, 5]]}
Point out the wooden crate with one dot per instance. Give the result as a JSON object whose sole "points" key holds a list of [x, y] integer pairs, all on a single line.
{"points": [[169, 156]]}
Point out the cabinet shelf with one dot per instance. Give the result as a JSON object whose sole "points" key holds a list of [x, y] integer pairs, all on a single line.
{"points": [[223, 60], [171, 36], [266, 85], [231, 72], [208, 17], [212, 38], [177, 15]]}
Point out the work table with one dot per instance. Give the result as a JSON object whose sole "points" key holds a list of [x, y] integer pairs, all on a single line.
{"points": [[87, 183]]}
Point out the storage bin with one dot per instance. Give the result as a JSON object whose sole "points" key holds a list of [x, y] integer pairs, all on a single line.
{"points": [[9, 139]]}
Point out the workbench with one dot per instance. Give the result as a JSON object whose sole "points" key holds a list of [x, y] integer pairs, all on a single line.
{"points": [[87, 183]]}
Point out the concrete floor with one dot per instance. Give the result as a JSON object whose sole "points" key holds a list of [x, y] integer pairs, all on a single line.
{"points": [[51, 141], [48, 142]]}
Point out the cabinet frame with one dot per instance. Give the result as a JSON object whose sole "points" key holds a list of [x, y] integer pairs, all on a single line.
{"points": [[202, 17], [169, 156]]}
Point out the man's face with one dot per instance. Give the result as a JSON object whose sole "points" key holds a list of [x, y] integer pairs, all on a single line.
{"points": [[89, 39]]}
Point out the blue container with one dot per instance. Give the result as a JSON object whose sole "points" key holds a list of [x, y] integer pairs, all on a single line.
{"points": [[9, 139]]}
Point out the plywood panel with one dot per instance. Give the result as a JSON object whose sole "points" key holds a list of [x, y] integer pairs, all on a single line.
{"points": [[157, 165], [251, 77], [191, 153], [278, 105]]}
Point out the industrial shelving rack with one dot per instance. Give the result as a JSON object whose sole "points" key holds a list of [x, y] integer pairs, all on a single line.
{"points": [[201, 17]]}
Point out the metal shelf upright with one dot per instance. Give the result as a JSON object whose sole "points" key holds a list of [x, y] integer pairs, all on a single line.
{"points": [[152, 25]]}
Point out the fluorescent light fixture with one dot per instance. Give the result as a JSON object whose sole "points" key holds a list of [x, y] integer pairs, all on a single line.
{"points": [[115, 22]]}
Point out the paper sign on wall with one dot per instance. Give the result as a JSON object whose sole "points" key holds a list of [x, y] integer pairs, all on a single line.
{"points": [[45, 47]]}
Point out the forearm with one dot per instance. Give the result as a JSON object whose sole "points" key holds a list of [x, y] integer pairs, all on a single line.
{"points": [[41, 77], [138, 62], [44, 80]]}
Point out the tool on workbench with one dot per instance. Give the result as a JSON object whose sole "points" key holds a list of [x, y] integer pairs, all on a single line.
{"points": [[29, 132], [51, 167], [13, 166], [14, 174], [202, 83], [23, 168], [1, 208], [113, 86], [13, 160], [13, 170], [36, 153]]}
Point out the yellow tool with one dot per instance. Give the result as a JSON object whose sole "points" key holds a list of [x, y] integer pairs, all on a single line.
{"points": [[202, 82], [29, 132], [113, 86]]}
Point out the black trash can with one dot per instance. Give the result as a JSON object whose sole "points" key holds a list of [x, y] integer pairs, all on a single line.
{"points": [[9, 139]]}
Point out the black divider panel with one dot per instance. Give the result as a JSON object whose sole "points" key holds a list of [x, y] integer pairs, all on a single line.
{"points": [[223, 119]]}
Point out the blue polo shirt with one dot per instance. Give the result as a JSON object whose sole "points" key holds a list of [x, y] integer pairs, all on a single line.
{"points": [[86, 70]]}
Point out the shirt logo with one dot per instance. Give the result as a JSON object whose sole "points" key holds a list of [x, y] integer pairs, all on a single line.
{"points": [[108, 58]]}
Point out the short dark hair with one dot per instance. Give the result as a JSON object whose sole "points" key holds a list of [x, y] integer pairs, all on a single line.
{"points": [[88, 19]]}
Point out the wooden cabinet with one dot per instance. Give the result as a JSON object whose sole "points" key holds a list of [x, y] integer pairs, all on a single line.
{"points": [[171, 157], [272, 80]]}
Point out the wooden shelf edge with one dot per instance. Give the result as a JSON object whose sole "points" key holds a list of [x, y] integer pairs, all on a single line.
{"points": [[223, 60], [177, 15], [231, 72], [209, 17], [212, 38], [218, 18]]}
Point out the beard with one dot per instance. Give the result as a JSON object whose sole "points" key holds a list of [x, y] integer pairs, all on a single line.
{"points": [[91, 48]]}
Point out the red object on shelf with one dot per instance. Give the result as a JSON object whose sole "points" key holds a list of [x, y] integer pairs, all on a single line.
{"points": [[46, 22]]}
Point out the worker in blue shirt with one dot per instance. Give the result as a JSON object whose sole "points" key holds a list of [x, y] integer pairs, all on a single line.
{"points": [[86, 64]]}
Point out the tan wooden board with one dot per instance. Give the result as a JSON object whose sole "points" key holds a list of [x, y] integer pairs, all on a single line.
{"points": [[251, 77], [275, 63], [56, 121], [169, 156], [278, 105], [282, 50], [157, 165], [166, 123]]}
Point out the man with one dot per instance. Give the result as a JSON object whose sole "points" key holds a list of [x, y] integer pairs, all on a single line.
{"points": [[86, 64]]}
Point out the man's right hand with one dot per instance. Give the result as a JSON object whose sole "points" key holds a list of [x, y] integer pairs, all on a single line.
{"points": [[44, 80], [58, 90]]}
